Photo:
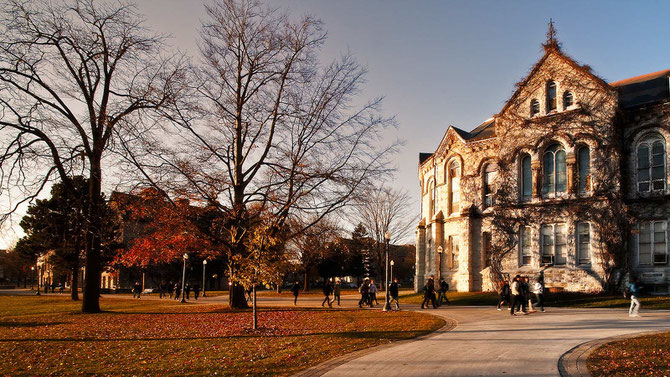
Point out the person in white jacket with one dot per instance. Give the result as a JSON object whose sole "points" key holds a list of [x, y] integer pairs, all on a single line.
{"points": [[538, 289]]}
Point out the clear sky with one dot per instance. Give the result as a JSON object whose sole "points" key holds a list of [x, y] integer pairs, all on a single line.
{"points": [[441, 63]]}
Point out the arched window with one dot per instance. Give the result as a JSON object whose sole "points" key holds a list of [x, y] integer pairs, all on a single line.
{"points": [[554, 172], [651, 164], [568, 100], [490, 173], [551, 96], [526, 178], [534, 107], [584, 165], [454, 187]]}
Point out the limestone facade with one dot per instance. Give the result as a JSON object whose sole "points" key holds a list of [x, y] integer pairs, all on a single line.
{"points": [[559, 156]]}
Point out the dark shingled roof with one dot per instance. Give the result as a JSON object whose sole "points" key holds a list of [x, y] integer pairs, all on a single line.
{"points": [[423, 157], [645, 89], [483, 131]]}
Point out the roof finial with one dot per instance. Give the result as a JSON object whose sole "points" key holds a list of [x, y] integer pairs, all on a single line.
{"points": [[551, 37]]}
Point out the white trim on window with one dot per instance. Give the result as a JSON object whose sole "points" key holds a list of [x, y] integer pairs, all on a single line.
{"points": [[583, 243], [651, 243]]}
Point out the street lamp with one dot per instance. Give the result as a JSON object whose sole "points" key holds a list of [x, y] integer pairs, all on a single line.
{"points": [[387, 238], [204, 274], [392, 270], [183, 280], [38, 278]]}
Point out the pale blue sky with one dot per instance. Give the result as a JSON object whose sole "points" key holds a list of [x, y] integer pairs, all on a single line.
{"points": [[456, 62]]}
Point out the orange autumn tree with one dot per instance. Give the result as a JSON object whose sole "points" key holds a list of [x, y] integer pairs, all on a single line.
{"points": [[161, 230]]}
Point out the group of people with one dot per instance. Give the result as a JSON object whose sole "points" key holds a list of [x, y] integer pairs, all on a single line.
{"points": [[171, 290], [53, 286], [330, 289], [368, 290], [433, 296], [518, 296]]}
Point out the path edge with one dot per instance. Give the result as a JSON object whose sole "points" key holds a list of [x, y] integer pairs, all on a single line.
{"points": [[324, 367], [573, 362]]}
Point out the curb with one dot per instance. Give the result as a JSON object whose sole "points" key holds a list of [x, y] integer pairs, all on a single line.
{"points": [[326, 366], [573, 362]]}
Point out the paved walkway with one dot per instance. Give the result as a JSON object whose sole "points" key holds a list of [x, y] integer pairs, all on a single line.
{"points": [[486, 342]]}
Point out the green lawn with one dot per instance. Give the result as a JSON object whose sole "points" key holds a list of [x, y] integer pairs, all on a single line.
{"points": [[48, 336]]}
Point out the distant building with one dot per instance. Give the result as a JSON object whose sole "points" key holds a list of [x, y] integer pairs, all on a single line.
{"points": [[566, 156]]}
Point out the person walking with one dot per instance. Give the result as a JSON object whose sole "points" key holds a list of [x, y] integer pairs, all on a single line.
{"points": [[327, 291], [634, 291], [187, 291], [161, 289], [429, 294], [504, 295], [364, 290], [444, 288], [177, 290], [539, 293], [517, 296], [393, 292], [373, 293], [336, 291], [295, 289], [137, 289], [527, 300], [170, 288], [196, 290]]}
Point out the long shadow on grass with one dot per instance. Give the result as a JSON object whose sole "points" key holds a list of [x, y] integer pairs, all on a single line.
{"points": [[29, 324]]}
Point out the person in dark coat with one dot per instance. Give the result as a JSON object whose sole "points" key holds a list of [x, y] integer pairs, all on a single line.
{"points": [[187, 291], [196, 290], [444, 288], [429, 294], [327, 291], [393, 292], [170, 288], [161, 289], [295, 289], [504, 294], [364, 290], [177, 290], [137, 289], [336, 291]]}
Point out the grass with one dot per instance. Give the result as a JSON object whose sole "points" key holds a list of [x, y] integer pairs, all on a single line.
{"points": [[561, 299], [48, 336], [647, 356]]}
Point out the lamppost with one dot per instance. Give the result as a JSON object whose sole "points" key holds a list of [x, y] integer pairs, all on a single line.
{"points": [[392, 270], [183, 280], [387, 238], [204, 274], [38, 278]]}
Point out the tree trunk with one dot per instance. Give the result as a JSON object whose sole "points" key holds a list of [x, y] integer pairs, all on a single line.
{"points": [[74, 286], [236, 299], [91, 295], [253, 305], [306, 286]]}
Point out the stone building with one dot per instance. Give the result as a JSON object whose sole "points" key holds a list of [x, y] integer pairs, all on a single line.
{"points": [[568, 180]]}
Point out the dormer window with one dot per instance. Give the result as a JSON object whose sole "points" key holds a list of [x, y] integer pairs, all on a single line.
{"points": [[534, 107], [551, 96], [568, 100]]}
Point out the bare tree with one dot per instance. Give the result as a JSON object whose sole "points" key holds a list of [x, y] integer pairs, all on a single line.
{"points": [[269, 130], [75, 77], [384, 209]]}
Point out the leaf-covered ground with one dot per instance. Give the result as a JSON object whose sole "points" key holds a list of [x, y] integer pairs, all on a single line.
{"points": [[647, 356], [48, 336]]}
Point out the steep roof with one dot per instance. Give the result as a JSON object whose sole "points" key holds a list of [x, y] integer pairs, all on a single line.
{"points": [[644, 89]]}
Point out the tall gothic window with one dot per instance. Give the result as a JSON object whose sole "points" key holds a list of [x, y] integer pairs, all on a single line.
{"points": [[568, 100], [651, 164], [526, 178], [534, 107], [525, 248], [454, 187], [490, 173], [584, 162], [554, 172], [431, 193], [583, 243], [652, 244], [551, 96], [554, 244]]}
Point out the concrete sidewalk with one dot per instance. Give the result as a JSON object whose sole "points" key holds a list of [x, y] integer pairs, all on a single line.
{"points": [[486, 342]]}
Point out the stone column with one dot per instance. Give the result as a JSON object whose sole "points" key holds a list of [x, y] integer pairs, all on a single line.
{"points": [[537, 182], [570, 162], [438, 241], [419, 267]]}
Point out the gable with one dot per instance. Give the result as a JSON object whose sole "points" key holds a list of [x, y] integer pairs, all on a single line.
{"points": [[568, 76]]}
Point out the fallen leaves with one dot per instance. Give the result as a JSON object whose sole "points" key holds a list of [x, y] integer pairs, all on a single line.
{"points": [[647, 355]]}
